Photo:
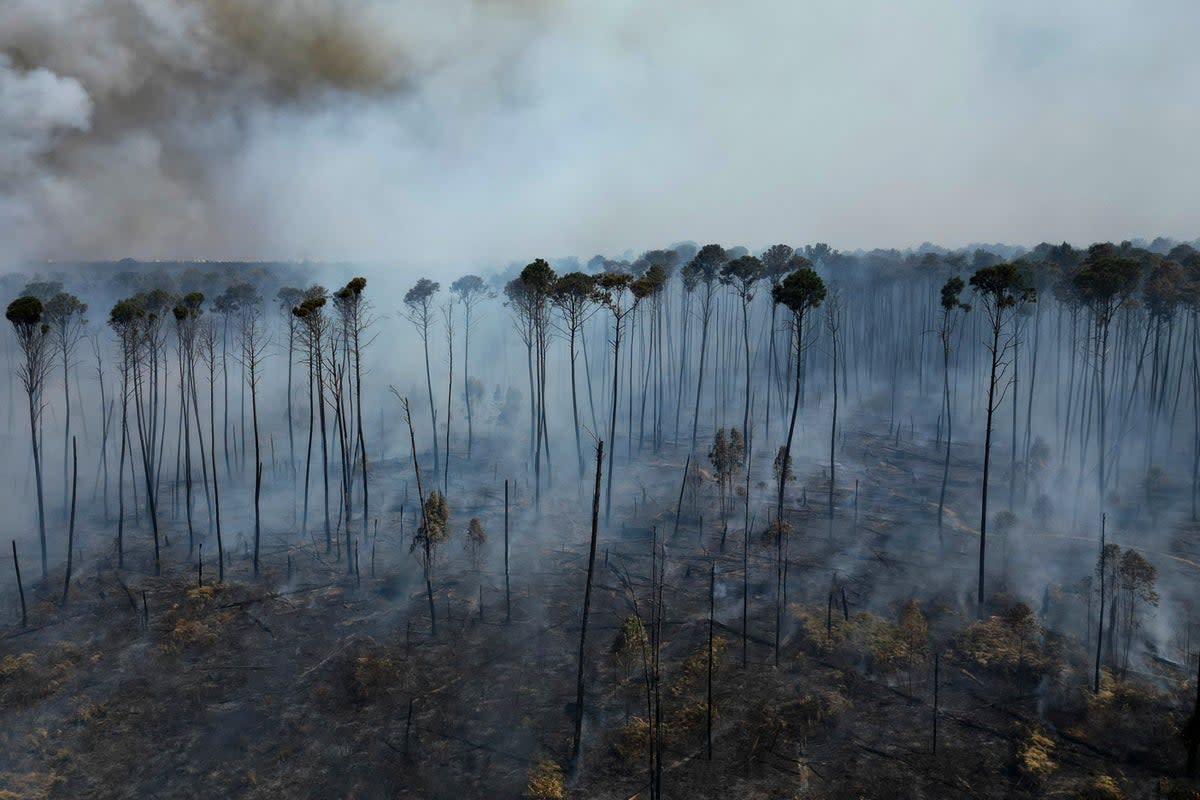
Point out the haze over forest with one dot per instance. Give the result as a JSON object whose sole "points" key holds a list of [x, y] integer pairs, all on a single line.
{"points": [[528, 398], [477, 132]]}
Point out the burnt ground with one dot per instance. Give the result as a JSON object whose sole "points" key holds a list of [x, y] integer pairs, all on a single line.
{"points": [[308, 682]]}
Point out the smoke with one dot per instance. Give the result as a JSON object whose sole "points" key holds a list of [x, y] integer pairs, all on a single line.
{"points": [[479, 131]]}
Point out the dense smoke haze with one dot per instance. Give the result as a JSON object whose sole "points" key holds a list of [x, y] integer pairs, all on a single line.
{"points": [[477, 131]]}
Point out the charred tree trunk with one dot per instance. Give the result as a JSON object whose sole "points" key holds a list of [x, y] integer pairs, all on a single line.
{"points": [[71, 524], [20, 586], [507, 586], [587, 604], [412, 438], [712, 605], [1100, 624], [987, 460]]}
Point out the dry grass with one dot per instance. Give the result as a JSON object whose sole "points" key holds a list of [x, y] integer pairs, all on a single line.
{"points": [[25, 678], [1100, 787], [1035, 753], [1010, 644], [546, 781], [28, 785]]}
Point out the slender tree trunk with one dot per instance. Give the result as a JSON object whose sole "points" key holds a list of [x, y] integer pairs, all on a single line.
{"points": [[37, 474], [507, 585], [833, 334], [784, 468], [121, 464], [987, 461], [427, 559], [1100, 623], [712, 604], [587, 604], [700, 373], [67, 405], [575, 402], [449, 395], [770, 373], [258, 465], [291, 362], [324, 443], [432, 407], [612, 426], [71, 524], [947, 411], [212, 437], [362, 443], [467, 380], [225, 388], [146, 425], [20, 586]]}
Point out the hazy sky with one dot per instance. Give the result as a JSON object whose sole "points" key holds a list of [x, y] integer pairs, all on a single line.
{"points": [[494, 130]]}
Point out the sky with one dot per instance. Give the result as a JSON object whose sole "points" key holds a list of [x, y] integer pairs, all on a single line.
{"points": [[486, 131]]}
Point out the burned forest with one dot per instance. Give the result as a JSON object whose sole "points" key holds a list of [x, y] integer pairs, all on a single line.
{"points": [[700, 522], [564, 400]]}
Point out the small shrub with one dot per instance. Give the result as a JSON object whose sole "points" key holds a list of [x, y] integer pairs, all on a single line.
{"points": [[1007, 643], [545, 781], [369, 672], [630, 641], [29, 785], [633, 739], [23, 679], [693, 672], [1100, 787], [1034, 756], [1169, 790], [819, 706]]}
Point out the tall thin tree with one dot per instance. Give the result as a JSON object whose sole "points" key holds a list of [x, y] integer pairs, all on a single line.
{"points": [[418, 303], [1003, 289], [27, 315]]}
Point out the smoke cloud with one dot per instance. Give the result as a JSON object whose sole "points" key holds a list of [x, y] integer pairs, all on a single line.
{"points": [[478, 131]]}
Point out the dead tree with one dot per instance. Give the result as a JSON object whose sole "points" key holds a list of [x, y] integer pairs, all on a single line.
{"points": [[422, 537], [289, 297], [471, 291], [507, 587], [448, 319], [71, 524], [952, 310], [587, 604], [833, 322], [186, 315], [315, 327], [712, 606], [64, 315], [1102, 568], [207, 338], [20, 586], [418, 302]]}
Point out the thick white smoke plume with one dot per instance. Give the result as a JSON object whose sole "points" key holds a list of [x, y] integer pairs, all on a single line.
{"points": [[467, 131]]}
